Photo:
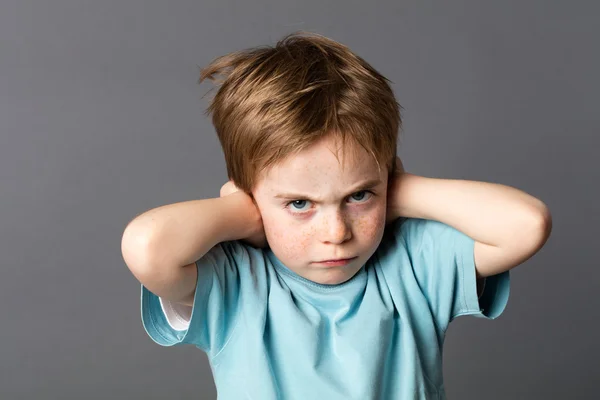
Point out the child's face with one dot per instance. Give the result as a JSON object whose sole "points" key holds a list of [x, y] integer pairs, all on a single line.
{"points": [[330, 215]]}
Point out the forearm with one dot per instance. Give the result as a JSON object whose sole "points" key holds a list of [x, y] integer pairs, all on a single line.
{"points": [[487, 212], [181, 233]]}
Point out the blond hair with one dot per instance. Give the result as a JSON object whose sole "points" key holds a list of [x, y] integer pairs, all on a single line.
{"points": [[274, 102]]}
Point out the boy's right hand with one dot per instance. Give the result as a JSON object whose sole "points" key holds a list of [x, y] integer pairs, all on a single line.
{"points": [[258, 238]]}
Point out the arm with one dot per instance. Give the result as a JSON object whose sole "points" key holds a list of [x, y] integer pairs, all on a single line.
{"points": [[509, 226], [161, 246]]}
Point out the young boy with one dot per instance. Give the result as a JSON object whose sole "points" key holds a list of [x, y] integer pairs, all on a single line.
{"points": [[309, 132]]}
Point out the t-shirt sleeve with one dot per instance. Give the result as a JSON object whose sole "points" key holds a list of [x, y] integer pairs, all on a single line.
{"points": [[223, 273], [443, 262]]}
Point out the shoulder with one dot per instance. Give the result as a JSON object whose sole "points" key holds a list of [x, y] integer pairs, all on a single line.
{"points": [[414, 232], [410, 232], [234, 260], [235, 252], [416, 245]]}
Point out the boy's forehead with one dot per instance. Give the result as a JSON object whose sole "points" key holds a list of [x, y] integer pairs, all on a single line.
{"points": [[324, 166], [308, 177], [317, 166]]}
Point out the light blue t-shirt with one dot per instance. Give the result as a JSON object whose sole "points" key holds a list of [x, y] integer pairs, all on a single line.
{"points": [[271, 334]]}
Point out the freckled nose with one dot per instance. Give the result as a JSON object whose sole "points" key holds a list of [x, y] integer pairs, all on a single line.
{"points": [[335, 228]]}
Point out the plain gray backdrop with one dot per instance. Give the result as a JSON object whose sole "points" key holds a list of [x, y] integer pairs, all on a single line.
{"points": [[101, 118]]}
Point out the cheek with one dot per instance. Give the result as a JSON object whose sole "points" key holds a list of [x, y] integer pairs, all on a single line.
{"points": [[370, 227], [291, 241]]}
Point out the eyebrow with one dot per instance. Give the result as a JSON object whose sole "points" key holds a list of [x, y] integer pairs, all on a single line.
{"points": [[369, 184]]}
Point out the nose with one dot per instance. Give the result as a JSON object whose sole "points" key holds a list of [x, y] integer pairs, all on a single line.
{"points": [[335, 228]]}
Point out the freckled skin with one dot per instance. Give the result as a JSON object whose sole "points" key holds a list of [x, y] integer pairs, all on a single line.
{"points": [[334, 227]]}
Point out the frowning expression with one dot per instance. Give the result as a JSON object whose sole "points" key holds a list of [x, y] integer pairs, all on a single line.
{"points": [[315, 207]]}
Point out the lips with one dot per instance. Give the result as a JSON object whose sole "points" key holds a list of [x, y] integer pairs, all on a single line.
{"points": [[339, 259]]}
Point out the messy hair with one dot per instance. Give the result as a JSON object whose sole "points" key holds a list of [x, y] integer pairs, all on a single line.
{"points": [[275, 101]]}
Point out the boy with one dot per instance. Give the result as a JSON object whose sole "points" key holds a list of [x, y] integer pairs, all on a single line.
{"points": [[309, 134]]}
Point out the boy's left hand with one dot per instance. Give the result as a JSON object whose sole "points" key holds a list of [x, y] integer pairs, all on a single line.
{"points": [[259, 240], [393, 186]]}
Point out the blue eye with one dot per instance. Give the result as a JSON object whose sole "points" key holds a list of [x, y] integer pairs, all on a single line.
{"points": [[295, 202], [364, 192]]}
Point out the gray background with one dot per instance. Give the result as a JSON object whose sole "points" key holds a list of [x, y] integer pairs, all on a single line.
{"points": [[101, 119]]}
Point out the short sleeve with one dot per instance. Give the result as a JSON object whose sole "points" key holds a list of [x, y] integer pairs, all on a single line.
{"points": [[443, 261], [213, 316]]}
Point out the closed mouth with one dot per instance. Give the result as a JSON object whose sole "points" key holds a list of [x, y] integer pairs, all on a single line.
{"points": [[341, 259]]}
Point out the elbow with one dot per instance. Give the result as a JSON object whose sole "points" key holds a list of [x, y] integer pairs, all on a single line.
{"points": [[542, 226], [135, 250]]}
